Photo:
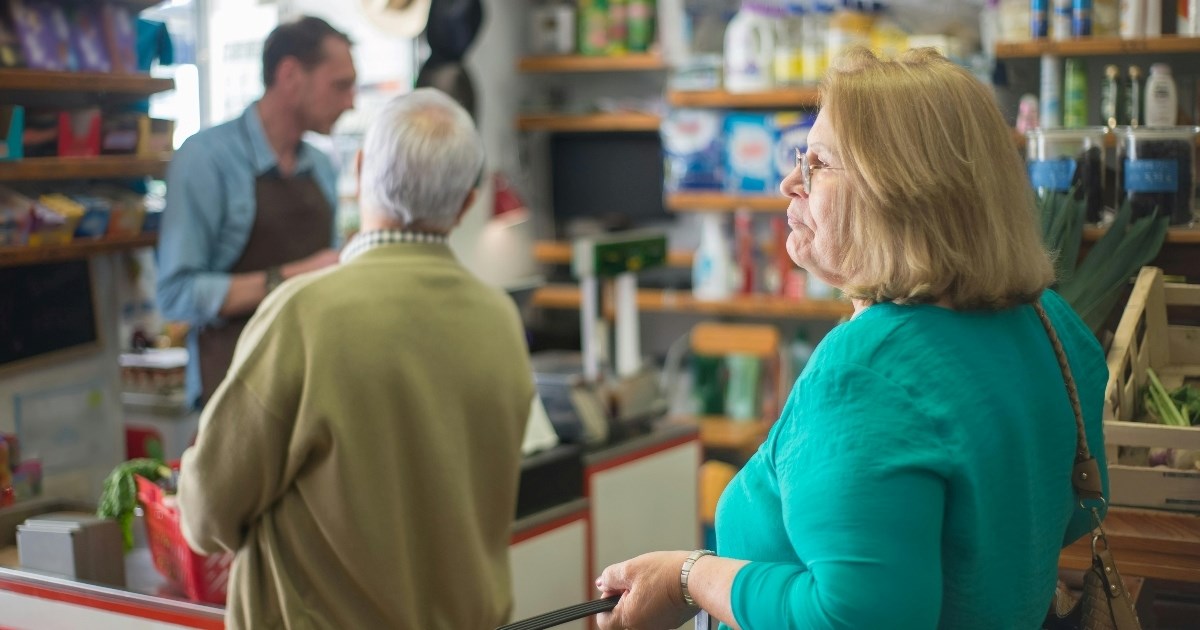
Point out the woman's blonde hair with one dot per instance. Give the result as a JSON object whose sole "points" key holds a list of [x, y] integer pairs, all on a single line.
{"points": [[938, 206]]}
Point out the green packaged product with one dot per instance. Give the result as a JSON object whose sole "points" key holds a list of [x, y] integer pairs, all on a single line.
{"points": [[593, 27]]}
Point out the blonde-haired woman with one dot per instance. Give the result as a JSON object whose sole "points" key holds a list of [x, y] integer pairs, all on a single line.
{"points": [[919, 475]]}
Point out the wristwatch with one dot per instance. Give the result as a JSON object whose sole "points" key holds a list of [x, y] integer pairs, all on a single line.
{"points": [[274, 277]]}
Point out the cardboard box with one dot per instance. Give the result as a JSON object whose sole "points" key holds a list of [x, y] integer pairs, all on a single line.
{"points": [[42, 29], [88, 41], [1145, 339], [79, 133], [119, 34]]}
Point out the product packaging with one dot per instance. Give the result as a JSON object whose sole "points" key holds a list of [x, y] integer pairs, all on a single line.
{"points": [[1061, 160], [1157, 171]]}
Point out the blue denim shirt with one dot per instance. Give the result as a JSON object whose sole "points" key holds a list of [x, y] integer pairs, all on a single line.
{"points": [[209, 214]]}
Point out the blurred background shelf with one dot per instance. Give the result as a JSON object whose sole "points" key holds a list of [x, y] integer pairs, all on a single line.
{"points": [[782, 98], [99, 167], [75, 89], [1176, 235], [719, 202], [562, 296], [624, 121], [1167, 44], [591, 63], [559, 253], [75, 250]]}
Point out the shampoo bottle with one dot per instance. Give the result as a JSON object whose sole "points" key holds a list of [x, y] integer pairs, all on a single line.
{"points": [[1160, 97], [711, 267]]}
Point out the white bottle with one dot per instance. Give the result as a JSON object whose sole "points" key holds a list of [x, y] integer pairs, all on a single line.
{"points": [[1051, 92], [1160, 97], [1060, 20], [1154, 17], [749, 50], [1133, 18], [712, 267]]}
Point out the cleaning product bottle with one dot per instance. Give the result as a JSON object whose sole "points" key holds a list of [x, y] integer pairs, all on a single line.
{"points": [[750, 49], [1133, 98], [1109, 93], [1051, 96], [1161, 108], [1075, 109], [812, 46], [711, 266]]}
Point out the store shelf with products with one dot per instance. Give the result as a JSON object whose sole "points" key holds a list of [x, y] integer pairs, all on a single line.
{"points": [[1175, 235], [75, 250], [1094, 46], [666, 301], [559, 253], [61, 90], [592, 63], [100, 167], [779, 98], [722, 202], [621, 121]]}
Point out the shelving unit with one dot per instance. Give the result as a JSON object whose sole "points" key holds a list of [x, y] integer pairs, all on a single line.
{"points": [[41, 88], [1176, 236], [663, 301], [721, 202], [1094, 46], [559, 253], [101, 167], [75, 250], [781, 98], [592, 63], [622, 121]]}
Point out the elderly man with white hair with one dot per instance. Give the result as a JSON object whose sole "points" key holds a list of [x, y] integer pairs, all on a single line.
{"points": [[362, 457]]}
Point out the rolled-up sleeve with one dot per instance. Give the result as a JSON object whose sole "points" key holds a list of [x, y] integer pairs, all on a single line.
{"points": [[189, 287]]}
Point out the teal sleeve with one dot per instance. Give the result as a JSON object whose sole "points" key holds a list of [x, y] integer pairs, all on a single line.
{"points": [[860, 474]]}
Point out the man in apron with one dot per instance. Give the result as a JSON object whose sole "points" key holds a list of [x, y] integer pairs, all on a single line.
{"points": [[249, 204]]}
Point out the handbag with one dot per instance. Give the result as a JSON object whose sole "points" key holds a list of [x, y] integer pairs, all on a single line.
{"points": [[1105, 603]]}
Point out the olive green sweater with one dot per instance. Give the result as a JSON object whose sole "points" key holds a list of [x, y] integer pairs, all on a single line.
{"points": [[362, 455]]}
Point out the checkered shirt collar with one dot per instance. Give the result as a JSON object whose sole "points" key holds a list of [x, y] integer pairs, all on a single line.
{"points": [[366, 241]]}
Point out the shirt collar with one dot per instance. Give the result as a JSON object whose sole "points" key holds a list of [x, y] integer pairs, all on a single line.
{"points": [[366, 241], [261, 153]]}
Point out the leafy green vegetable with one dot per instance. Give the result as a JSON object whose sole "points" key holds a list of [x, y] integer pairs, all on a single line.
{"points": [[118, 497], [1178, 408], [1093, 286]]}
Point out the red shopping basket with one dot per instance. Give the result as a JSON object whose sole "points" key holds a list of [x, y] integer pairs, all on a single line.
{"points": [[201, 578]]}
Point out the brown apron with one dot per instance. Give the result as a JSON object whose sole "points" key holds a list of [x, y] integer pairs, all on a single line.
{"points": [[292, 220]]}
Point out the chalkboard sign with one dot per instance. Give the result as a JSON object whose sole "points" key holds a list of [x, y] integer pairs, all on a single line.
{"points": [[45, 309]]}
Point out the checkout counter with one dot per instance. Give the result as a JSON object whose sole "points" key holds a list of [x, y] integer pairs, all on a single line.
{"points": [[579, 509]]}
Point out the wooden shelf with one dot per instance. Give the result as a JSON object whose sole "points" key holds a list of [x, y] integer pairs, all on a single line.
{"points": [[559, 253], [656, 300], [73, 89], [783, 98], [140, 5], [101, 167], [591, 63], [1092, 46], [720, 202], [18, 256], [1177, 235], [626, 121]]}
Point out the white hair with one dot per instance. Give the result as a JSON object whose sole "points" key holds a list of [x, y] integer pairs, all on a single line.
{"points": [[421, 157]]}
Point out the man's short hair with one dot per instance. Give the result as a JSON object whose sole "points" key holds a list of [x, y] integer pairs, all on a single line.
{"points": [[302, 38]]}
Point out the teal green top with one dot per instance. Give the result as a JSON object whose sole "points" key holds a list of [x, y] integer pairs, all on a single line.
{"points": [[919, 475]]}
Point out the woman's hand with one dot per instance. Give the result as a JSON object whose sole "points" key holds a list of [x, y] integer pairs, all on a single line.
{"points": [[651, 598]]}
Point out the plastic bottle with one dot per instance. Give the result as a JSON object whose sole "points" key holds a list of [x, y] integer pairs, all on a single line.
{"points": [[789, 46], [1133, 97], [711, 267], [887, 38], [1060, 20], [1039, 19], [1081, 18], [1133, 18], [640, 31], [813, 50], [1075, 108], [1109, 96], [1160, 97], [618, 26], [848, 27], [1027, 114], [593, 27], [749, 50], [741, 391], [1154, 18], [1051, 92]]}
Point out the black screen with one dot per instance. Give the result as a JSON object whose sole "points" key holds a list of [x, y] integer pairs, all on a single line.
{"points": [[613, 177]]}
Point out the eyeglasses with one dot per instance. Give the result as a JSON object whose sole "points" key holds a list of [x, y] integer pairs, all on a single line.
{"points": [[807, 169]]}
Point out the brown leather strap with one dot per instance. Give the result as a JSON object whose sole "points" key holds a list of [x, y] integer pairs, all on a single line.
{"points": [[1086, 475]]}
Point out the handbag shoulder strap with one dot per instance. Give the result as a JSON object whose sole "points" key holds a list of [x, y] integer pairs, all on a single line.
{"points": [[1086, 475]]}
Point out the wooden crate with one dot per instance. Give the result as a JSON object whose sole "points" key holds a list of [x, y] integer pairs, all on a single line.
{"points": [[1145, 338]]}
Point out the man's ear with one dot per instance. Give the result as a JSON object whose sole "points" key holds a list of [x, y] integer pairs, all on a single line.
{"points": [[287, 71], [467, 203]]}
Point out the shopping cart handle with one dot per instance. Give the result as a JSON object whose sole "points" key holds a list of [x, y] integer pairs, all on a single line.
{"points": [[563, 615]]}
